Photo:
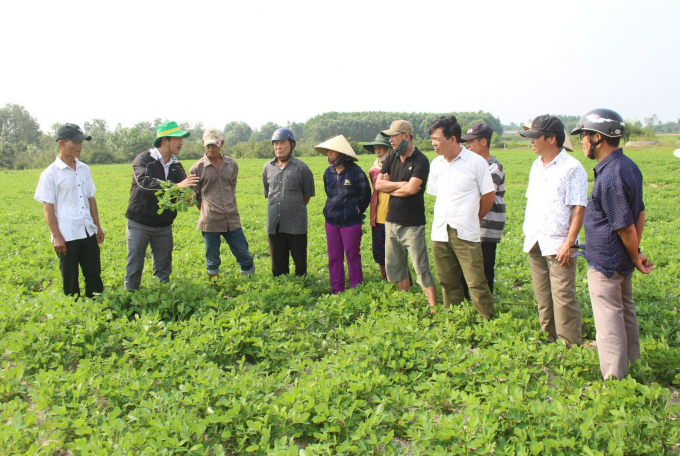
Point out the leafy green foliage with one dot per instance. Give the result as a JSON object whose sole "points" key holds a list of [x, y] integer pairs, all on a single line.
{"points": [[171, 197], [280, 366]]}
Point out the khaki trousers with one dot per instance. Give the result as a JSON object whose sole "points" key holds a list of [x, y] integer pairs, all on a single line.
{"points": [[616, 324], [402, 241], [458, 256], [555, 292]]}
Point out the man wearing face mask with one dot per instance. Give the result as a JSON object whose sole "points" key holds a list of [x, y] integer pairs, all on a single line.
{"points": [[404, 176], [613, 223], [288, 186]]}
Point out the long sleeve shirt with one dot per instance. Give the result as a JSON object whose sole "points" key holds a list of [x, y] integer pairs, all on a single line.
{"points": [[349, 194], [216, 193]]}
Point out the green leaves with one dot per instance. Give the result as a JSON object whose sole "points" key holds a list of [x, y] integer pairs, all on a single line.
{"points": [[280, 366], [173, 198]]}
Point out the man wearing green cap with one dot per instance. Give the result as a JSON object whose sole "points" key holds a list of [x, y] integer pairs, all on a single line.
{"points": [[145, 225]]}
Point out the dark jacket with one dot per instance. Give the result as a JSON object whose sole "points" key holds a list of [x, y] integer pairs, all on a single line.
{"points": [[349, 194], [143, 205]]}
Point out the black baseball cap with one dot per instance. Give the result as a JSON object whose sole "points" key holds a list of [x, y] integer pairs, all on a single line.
{"points": [[478, 130], [542, 125], [72, 132]]}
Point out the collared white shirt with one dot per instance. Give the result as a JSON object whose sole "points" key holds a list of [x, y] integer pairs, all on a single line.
{"points": [[155, 153], [552, 193], [458, 186], [69, 190]]}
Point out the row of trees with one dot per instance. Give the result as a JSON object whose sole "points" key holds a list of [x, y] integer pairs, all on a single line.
{"points": [[24, 145], [634, 129]]}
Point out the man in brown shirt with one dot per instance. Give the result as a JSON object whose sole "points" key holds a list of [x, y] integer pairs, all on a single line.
{"points": [[216, 199]]}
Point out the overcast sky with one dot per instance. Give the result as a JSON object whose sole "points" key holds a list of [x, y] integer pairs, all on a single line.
{"points": [[259, 61]]}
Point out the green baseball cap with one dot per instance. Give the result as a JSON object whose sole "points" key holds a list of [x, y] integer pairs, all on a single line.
{"points": [[169, 129], [379, 140]]}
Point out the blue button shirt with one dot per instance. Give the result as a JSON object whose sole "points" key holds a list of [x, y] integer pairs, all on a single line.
{"points": [[615, 203]]}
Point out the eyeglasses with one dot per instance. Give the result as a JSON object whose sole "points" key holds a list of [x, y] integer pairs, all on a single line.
{"points": [[583, 135]]}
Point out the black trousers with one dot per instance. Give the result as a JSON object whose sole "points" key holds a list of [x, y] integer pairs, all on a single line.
{"points": [[283, 244], [489, 257], [84, 253]]}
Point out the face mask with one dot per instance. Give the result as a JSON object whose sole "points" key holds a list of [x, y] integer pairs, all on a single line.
{"points": [[337, 162], [401, 148]]}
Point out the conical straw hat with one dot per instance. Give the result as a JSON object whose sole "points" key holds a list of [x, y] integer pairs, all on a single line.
{"points": [[338, 144], [567, 142]]}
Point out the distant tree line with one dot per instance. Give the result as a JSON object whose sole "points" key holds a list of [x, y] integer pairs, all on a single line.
{"points": [[634, 129], [24, 145]]}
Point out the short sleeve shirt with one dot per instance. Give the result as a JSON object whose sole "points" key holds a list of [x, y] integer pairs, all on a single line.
{"points": [[216, 190], [286, 190], [68, 190], [494, 221], [615, 203], [552, 193], [458, 186], [407, 210]]}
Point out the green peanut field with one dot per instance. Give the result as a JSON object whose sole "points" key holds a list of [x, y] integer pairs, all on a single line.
{"points": [[257, 365]]}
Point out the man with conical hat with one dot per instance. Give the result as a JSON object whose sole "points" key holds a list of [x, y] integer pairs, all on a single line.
{"points": [[404, 176], [145, 225], [348, 195]]}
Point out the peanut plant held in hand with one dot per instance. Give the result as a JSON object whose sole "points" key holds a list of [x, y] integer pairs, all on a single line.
{"points": [[172, 198]]}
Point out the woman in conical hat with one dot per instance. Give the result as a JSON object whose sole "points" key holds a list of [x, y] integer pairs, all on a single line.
{"points": [[348, 195], [379, 200]]}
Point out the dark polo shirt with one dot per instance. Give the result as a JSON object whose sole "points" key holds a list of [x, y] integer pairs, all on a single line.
{"points": [[408, 210]]}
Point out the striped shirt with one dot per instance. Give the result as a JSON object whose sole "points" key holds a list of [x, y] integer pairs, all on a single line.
{"points": [[492, 224]]}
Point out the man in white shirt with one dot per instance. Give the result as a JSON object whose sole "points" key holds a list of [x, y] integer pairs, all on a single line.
{"points": [[66, 191], [465, 192], [556, 203]]}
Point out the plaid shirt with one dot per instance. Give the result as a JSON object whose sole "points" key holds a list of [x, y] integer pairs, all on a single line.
{"points": [[349, 194], [286, 190]]}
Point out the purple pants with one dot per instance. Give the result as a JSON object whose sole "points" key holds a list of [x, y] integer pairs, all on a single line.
{"points": [[341, 242]]}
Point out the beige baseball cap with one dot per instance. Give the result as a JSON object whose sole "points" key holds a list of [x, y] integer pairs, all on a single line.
{"points": [[398, 126], [213, 136], [567, 142]]}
